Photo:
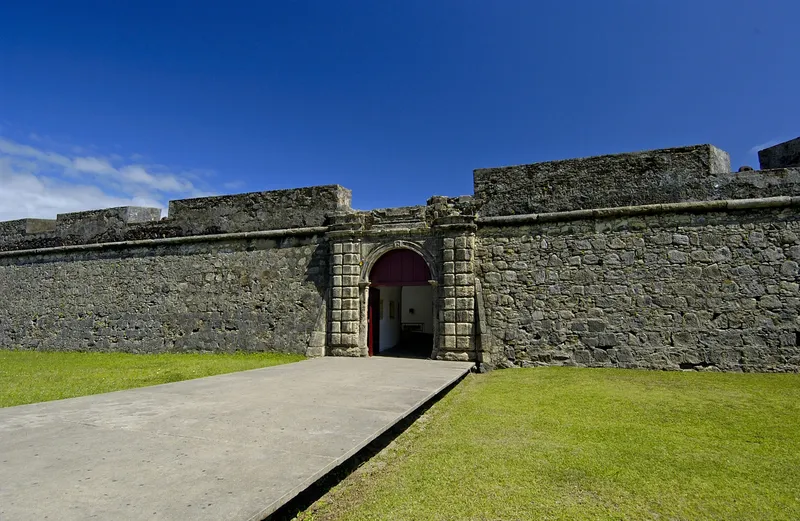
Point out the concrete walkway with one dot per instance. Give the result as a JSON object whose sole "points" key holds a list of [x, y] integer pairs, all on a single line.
{"points": [[229, 447]]}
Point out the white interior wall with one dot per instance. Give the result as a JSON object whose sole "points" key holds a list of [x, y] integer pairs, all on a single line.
{"points": [[390, 328], [420, 299]]}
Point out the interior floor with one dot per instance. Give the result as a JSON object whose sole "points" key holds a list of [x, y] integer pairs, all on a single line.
{"points": [[411, 346]]}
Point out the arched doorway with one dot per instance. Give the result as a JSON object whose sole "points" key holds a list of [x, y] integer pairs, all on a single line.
{"points": [[400, 306]]}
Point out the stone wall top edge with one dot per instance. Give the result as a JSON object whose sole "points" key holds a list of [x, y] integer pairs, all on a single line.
{"points": [[277, 209], [666, 176], [250, 212], [694, 178], [27, 226], [212, 199], [167, 241], [786, 154], [127, 213], [605, 157], [394, 209], [132, 213]]}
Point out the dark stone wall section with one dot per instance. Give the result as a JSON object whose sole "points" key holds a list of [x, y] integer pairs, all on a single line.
{"points": [[712, 291], [225, 296], [782, 155]]}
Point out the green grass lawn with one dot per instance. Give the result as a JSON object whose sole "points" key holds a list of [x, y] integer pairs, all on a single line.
{"points": [[571, 444], [36, 376]]}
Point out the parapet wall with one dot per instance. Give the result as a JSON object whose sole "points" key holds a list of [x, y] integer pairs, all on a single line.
{"points": [[107, 225], [273, 210], [652, 177], [279, 209], [782, 155]]}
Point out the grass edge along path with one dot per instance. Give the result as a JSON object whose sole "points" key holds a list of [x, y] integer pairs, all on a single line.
{"points": [[572, 444], [38, 376]]}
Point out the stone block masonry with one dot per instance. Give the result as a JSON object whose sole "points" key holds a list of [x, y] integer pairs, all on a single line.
{"points": [[458, 294], [95, 226], [672, 291], [662, 259], [344, 337], [254, 295], [122, 279]]}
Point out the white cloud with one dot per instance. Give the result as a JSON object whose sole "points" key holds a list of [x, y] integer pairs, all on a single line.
{"points": [[164, 183], [767, 144], [35, 182], [24, 151], [26, 195], [233, 185], [93, 165]]}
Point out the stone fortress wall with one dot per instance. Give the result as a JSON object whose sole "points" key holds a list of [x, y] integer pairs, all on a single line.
{"points": [[245, 272], [662, 259]]}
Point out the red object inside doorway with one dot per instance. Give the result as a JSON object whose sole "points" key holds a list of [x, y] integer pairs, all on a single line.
{"points": [[400, 268], [374, 329]]}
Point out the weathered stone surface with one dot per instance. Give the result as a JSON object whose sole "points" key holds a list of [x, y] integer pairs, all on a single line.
{"points": [[782, 155], [241, 295], [257, 211], [657, 176], [13, 233], [94, 226], [755, 184], [716, 290], [106, 225], [278, 209]]}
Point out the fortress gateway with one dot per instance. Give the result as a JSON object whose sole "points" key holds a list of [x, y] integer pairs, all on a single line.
{"points": [[662, 259]]}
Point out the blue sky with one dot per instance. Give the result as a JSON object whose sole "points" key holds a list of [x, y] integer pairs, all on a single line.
{"points": [[112, 103]]}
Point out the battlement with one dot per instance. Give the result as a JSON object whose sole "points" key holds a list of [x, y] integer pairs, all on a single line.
{"points": [[15, 232], [271, 210], [782, 155], [673, 175], [655, 176], [106, 225]]}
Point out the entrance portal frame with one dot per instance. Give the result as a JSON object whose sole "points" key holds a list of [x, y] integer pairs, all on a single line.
{"points": [[369, 262]]}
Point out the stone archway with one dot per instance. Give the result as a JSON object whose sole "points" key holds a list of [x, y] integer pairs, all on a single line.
{"points": [[373, 256], [405, 274]]}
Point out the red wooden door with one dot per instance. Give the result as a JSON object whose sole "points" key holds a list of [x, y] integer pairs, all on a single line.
{"points": [[374, 321], [400, 268]]}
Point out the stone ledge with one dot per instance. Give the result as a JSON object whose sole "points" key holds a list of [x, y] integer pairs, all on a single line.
{"points": [[649, 209], [267, 234]]}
